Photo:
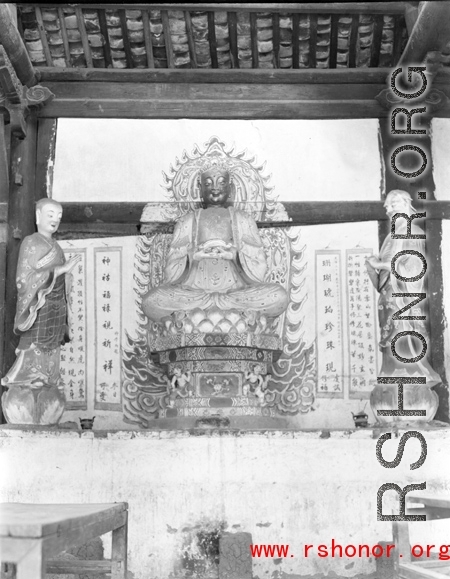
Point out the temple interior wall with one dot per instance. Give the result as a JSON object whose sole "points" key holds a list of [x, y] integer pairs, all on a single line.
{"points": [[327, 160], [290, 485], [282, 487]]}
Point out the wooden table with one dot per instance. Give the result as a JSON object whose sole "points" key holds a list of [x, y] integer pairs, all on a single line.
{"points": [[404, 568], [31, 534]]}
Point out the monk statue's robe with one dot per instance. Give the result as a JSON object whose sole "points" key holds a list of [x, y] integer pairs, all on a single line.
{"points": [[216, 259], [41, 316], [392, 299]]}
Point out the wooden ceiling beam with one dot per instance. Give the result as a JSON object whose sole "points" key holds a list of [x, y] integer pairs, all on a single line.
{"points": [[231, 76], [219, 101], [303, 7], [431, 32], [411, 15], [15, 47], [300, 212]]}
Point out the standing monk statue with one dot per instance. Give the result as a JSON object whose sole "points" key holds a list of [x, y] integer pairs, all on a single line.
{"points": [[393, 299], [216, 260], [35, 394]]}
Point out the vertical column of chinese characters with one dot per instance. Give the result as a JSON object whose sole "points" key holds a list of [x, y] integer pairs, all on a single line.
{"points": [[329, 324], [73, 354], [108, 322], [361, 325]]}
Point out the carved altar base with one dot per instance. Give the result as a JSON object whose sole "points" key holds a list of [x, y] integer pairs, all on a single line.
{"points": [[218, 359]]}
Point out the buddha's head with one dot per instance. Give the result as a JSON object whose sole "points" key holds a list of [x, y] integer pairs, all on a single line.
{"points": [[215, 186], [398, 201]]}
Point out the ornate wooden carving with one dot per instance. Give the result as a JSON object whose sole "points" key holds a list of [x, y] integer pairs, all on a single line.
{"points": [[16, 100]]}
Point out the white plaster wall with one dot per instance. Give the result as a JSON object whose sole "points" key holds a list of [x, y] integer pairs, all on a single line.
{"points": [[123, 160], [282, 487]]}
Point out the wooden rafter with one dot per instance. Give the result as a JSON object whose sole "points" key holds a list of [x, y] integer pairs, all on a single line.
{"points": [[312, 40], [212, 40], [276, 38], [376, 44], [254, 40], [333, 41], [84, 36], [64, 37], [126, 41], [43, 36], [273, 39], [191, 44], [105, 34]]}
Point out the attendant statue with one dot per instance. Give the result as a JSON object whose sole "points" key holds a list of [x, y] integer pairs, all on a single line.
{"points": [[35, 391], [216, 261], [408, 346]]}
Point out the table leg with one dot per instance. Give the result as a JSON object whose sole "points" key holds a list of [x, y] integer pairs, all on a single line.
{"points": [[400, 535], [119, 552], [32, 564]]}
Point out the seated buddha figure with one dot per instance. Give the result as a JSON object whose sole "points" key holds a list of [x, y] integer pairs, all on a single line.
{"points": [[216, 260]]}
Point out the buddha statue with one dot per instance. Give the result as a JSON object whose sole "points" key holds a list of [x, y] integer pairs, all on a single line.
{"points": [[216, 260]]}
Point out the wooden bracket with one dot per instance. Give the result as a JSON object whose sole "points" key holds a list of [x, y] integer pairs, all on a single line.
{"points": [[434, 100], [16, 100]]}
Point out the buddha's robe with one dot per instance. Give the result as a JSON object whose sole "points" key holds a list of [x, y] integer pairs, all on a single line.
{"points": [[192, 281], [41, 315]]}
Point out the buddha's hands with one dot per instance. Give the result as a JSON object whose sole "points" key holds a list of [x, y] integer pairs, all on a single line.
{"points": [[211, 251]]}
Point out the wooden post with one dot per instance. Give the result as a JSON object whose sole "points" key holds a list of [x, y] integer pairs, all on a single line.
{"points": [[433, 229], [21, 221], [45, 157], [4, 198]]}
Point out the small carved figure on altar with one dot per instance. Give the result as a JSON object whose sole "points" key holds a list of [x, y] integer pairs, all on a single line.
{"points": [[253, 379], [259, 393], [180, 386], [35, 390], [182, 380], [255, 383], [216, 262], [396, 295]]}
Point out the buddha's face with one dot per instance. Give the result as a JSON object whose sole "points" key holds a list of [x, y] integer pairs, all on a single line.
{"points": [[396, 204], [215, 187]]}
